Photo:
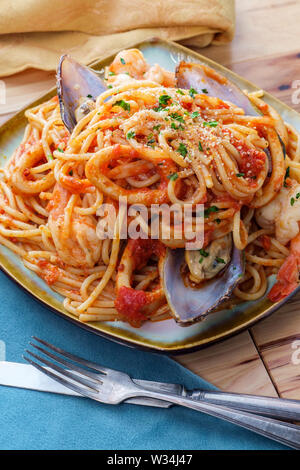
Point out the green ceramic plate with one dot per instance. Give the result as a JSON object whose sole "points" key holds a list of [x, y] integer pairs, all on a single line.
{"points": [[166, 336]]}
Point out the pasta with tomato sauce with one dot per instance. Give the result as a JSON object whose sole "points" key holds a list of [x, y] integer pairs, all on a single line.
{"points": [[153, 143]]}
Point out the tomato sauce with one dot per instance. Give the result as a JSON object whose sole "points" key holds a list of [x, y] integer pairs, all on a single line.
{"points": [[49, 272], [252, 161], [130, 303]]}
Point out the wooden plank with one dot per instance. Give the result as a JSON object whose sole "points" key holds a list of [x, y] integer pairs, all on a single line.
{"points": [[233, 365], [263, 28], [278, 340]]}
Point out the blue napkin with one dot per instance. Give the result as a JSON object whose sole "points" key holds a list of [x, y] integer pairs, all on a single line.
{"points": [[37, 420]]}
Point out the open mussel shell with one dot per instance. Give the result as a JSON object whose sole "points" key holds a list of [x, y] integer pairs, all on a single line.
{"points": [[206, 80], [75, 83], [191, 304]]}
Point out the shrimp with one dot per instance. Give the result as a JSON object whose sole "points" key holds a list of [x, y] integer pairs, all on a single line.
{"points": [[130, 61], [130, 64], [282, 214], [161, 76], [288, 274], [76, 241]]}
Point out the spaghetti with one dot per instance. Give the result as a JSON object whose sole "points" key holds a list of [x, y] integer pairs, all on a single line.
{"points": [[153, 144]]}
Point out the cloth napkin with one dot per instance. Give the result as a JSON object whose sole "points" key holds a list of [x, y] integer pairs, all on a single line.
{"points": [[35, 33], [38, 420]]}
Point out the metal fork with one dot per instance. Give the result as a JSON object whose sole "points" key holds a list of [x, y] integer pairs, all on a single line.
{"points": [[113, 387]]}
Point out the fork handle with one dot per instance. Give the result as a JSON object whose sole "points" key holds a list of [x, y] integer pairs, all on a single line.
{"points": [[285, 433], [276, 407]]}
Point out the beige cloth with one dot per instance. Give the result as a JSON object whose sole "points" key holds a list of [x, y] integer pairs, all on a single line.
{"points": [[34, 33]]}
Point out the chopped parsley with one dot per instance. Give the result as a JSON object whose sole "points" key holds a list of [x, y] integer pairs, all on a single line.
{"points": [[173, 177], [122, 61], [60, 150], [210, 123], [130, 134], [218, 221], [292, 201], [123, 104], [200, 260], [150, 139], [111, 73], [220, 260], [163, 100], [209, 210], [182, 150], [195, 114], [173, 126], [156, 128], [192, 92], [204, 253], [71, 172], [204, 90], [240, 175], [89, 96], [200, 147], [297, 195], [177, 117], [49, 156], [180, 92], [109, 86]]}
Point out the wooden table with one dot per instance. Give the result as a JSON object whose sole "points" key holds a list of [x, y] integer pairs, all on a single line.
{"points": [[266, 50]]}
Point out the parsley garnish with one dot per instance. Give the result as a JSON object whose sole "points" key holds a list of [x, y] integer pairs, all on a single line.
{"points": [[177, 116], [204, 253], [49, 156], [130, 134], [71, 172], [239, 175], [163, 100], [182, 150], [204, 90], [195, 114], [297, 195], [122, 61], [123, 104], [292, 201], [180, 92], [200, 260], [111, 73], [89, 96], [192, 92], [156, 128], [173, 177], [109, 86], [210, 123], [209, 210], [220, 260], [218, 221], [200, 147], [60, 150]]}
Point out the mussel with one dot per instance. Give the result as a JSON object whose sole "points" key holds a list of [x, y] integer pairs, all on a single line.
{"points": [[77, 87], [215, 281]]}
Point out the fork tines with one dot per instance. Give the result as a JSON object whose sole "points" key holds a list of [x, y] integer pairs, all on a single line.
{"points": [[79, 379]]}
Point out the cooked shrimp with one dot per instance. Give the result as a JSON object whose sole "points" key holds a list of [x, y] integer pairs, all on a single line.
{"points": [[288, 274], [74, 235], [130, 64], [130, 61], [159, 75], [282, 214]]}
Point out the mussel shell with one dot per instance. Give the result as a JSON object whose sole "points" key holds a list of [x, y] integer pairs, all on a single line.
{"points": [[201, 77], [188, 304], [75, 81]]}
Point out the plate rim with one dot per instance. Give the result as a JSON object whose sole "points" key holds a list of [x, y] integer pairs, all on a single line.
{"points": [[193, 345]]}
